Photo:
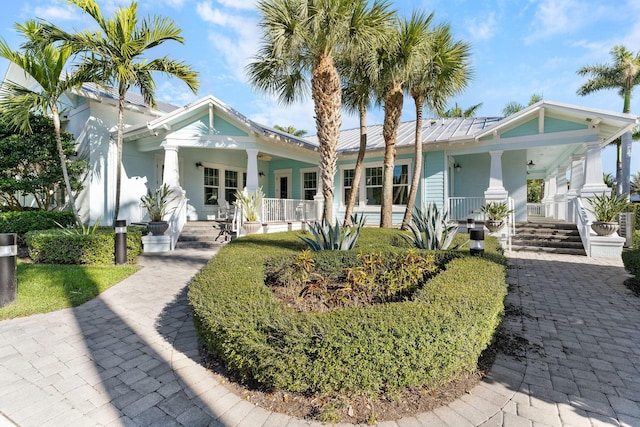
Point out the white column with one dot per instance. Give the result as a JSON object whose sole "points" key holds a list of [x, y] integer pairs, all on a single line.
{"points": [[575, 184], [171, 175], [593, 183], [550, 194], [252, 170], [561, 193], [496, 191]]}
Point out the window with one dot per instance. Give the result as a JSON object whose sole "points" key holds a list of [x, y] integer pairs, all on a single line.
{"points": [[211, 186], [400, 184], [230, 185], [309, 185], [347, 184], [373, 185]]}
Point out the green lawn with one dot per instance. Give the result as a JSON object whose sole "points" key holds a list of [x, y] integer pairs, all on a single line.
{"points": [[44, 287]]}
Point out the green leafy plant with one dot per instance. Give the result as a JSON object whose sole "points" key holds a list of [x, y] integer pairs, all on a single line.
{"points": [[495, 211], [327, 237], [431, 228], [84, 230], [157, 202], [606, 207], [249, 204]]}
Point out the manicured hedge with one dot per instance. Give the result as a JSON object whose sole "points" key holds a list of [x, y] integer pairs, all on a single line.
{"points": [[23, 222], [55, 246], [425, 341], [631, 261]]}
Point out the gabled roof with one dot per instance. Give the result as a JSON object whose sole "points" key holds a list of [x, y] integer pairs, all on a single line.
{"points": [[130, 98], [195, 108]]}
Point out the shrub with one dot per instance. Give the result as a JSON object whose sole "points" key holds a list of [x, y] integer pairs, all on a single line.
{"points": [[327, 237], [424, 341], [31, 220], [636, 239], [631, 261], [55, 246]]}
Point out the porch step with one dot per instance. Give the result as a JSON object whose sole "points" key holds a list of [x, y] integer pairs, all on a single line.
{"points": [[548, 236], [202, 234]]}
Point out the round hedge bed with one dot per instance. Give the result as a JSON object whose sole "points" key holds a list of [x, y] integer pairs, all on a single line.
{"points": [[427, 340]]}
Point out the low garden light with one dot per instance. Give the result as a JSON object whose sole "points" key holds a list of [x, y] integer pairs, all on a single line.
{"points": [[121, 242], [8, 263], [471, 224], [476, 242]]}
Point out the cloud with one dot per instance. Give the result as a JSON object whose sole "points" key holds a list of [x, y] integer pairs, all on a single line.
{"points": [[174, 92], [234, 35], [56, 13], [554, 17], [482, 28], [239, 4]]}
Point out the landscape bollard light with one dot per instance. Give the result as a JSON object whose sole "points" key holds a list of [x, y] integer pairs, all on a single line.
{"points": [[8, 268], [476, 242], [121, 242], [471, 224]]}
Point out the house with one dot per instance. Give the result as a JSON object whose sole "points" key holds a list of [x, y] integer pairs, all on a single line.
{"points": [[207, 151]]}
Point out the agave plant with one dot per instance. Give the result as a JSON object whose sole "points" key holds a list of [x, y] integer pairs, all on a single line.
{"points": [[431, 228], [327, 237]]}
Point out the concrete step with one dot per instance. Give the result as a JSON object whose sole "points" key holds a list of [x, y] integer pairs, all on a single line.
{"points": [[549, 237], [548, 249]]}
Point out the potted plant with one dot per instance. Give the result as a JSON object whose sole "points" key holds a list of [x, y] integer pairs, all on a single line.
{"points": [[606, 207], [495, 214], [156, 204], [249, 204]]}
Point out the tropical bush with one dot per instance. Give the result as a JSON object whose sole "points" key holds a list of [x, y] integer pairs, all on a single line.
{"points": [[431, 229], [327, 237], [495, 211], [631, 261], [607, 207], [31, 220], [426, 339], [57, 246]]}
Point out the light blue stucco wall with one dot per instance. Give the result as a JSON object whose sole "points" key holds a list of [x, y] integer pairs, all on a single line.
{"points": [[200, 126], [434, 179], [551, 125]]}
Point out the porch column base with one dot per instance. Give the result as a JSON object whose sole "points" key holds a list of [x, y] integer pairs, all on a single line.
{"points": [[495, 195], [606, 246], [561, 206], [156, 243]]}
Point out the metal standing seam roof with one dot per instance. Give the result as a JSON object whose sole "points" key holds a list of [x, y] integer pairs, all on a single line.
{"points": [[433, 131], [130, 98]]}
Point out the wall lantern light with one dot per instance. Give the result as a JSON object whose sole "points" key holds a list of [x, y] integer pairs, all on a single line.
{"points": [[198, 165], [261, 174], [457, 167]]}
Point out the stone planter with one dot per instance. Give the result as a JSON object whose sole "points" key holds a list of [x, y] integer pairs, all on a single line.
{"points": [[157, 228], [252, 227], [493, 225], [604, 228]]}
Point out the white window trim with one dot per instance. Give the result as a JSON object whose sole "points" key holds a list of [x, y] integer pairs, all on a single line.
{"points": [[221, 187], [362, 190], [302, 172]]}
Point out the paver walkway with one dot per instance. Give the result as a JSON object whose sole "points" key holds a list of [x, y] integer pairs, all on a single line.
{"points": [[130, 356]]}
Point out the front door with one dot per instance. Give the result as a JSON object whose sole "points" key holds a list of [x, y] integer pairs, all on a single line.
{"points": [[283, 184]]}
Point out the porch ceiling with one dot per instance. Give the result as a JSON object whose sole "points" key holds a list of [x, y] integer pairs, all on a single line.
{"points": [[546, 160]]}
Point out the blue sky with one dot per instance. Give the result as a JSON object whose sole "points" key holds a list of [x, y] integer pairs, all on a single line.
{"points": [[520, 47]]}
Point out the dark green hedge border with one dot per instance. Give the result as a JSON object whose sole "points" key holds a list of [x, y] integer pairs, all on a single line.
{"points": [[426, 341], [56, 247], [31, 220], [631, 261]]}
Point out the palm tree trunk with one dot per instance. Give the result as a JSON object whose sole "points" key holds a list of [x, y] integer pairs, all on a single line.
{"points": [[392, 113], [327, 98], [116, 208], [63, 163], [417, 163], [624, 180], [357, 173]]}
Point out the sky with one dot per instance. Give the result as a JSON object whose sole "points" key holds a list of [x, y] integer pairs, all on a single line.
{"points": [[519, 47]]}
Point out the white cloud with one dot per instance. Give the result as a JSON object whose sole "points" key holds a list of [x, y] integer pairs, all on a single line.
{"points": [[554, 17], [239, 4], [482, 28], [56, 13], [174, 92], [235, 36], [175, 3]]}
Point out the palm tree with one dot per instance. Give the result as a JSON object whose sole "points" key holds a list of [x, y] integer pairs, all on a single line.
{"points": [[442, 71], [634, 185], [609, 181], [513, 106], [457, 111], [115, 56], [623, 75], [291, 130], [360, 77], [397, 59], [46, 66], [303, 39]]}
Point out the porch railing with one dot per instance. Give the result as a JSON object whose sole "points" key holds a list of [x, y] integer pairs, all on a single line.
{"points": [[287, 210], [461, 208], [535, 209], [583, 223]]}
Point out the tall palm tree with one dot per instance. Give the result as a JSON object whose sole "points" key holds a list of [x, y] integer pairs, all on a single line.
{"points": [[457, 111], [397, 59], [624, 75], [302, 39], [634, 185], [116, 56], [290, 129], [360, 75], [513, 107], [442, 71], [46, 66]]}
